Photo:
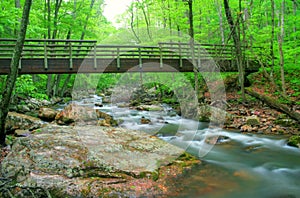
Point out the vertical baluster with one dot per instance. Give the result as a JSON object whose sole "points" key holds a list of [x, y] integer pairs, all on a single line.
{"points": [[140, 58], [95, 55], [180, 55], [45, 55], [199, 56], [70, 56], [20, 63], [160, 55], [118, 58]]}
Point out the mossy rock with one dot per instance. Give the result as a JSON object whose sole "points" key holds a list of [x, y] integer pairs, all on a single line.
{"points": [[252, 120], [294, 141]]}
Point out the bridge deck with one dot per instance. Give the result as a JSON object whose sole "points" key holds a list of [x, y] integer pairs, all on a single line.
{"points": [[73, 56]]}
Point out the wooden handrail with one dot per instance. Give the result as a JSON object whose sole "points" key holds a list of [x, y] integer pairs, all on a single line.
{"points": [[70, 50]]}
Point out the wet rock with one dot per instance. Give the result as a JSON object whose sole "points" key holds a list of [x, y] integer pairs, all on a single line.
{"points": [[47, 114], [98, 104], [145, 120], [252, 120], [86, 160], [16, 121], [217, 140], [150, 108], [294, 141], [106, 100], [107, 120]]}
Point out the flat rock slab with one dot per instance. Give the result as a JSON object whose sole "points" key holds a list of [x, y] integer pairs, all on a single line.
{"points": [[66, 158]]}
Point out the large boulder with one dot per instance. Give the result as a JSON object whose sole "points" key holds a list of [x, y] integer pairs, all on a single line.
{"points": [[87, 161], [16, 121]]}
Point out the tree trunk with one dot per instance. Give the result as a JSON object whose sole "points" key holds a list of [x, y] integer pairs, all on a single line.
{"points": [[272, 36], [280, 42], [86, 19], [147, 20], [65, 85], [237, 44], [221, 26], [192, 43], [18, 6], [272, 103], [12, 76], [295, 29], [132, 25]]}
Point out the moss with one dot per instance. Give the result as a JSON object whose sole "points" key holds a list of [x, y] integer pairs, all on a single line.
{"points": [[150, 175], [294, 141]]}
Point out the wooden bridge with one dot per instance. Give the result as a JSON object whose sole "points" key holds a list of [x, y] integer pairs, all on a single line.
{"points": [[50, 56]]}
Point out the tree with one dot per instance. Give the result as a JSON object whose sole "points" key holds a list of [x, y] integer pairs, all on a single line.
{"points": [[237, 43], [280, 42], [11, 78]]}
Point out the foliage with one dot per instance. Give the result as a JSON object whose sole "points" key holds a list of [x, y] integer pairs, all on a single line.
{"points": [[25, 87]]}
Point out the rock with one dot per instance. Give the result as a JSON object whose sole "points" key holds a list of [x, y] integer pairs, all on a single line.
{"points": [[215, 115], [98, 104], [22, 133], [75, 113], [23, 108], [217, 140], [252, 120], [294, 141], [107, 120], [106, 100], [150, 108], [246, 128], [56, 100], [145, 120], [36, 104], [86, 161], [47, 114], [16, 121]]}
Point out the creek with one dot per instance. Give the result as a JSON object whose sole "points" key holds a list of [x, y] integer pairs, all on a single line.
{"points": [[238, 165]]}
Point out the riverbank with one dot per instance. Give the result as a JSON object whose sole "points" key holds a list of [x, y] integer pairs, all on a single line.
{"points": [[154, 184], [257, 117]]}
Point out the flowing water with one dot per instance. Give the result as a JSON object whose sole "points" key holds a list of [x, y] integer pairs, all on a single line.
{"points": [[238, 165]]}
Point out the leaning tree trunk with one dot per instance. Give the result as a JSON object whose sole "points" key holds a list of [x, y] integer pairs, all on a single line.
{"points": [[12, 76], [276, 105]]}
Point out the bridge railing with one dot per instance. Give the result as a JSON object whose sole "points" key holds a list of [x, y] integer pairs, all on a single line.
{"points": [[79, 49]]}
